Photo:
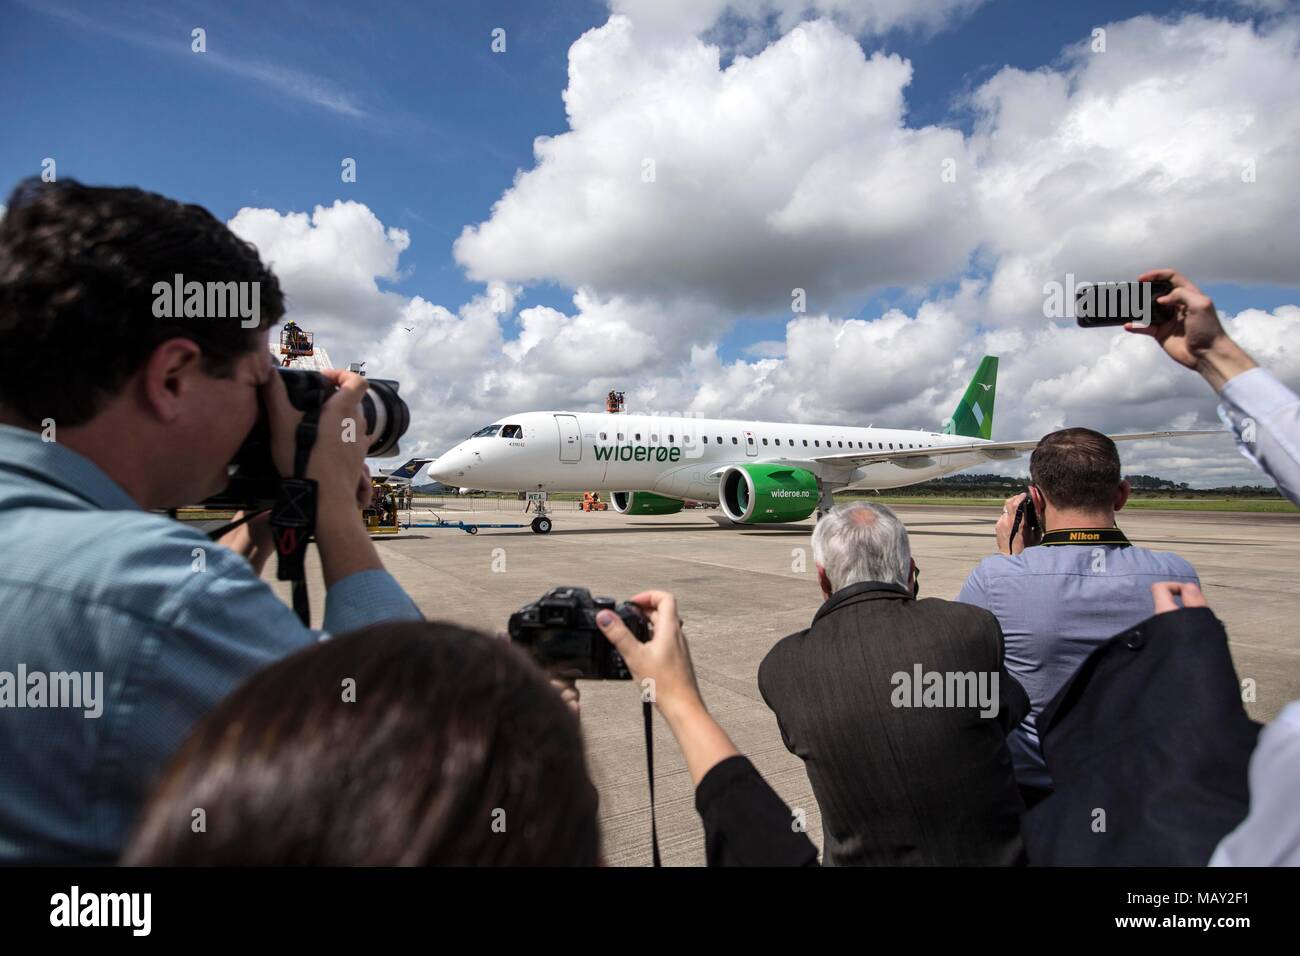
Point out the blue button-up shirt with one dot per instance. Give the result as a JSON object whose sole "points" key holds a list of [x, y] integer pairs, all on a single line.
{"points": [[1056, 605], [171, 622]]}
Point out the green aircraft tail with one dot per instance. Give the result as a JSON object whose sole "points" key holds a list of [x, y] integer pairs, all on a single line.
{"points": [[974, 414]]}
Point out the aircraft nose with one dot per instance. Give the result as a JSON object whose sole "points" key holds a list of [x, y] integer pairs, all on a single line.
{"points": [[453, 467]]}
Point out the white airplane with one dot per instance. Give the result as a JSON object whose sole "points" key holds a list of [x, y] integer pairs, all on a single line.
{"points": [[759, 472]]}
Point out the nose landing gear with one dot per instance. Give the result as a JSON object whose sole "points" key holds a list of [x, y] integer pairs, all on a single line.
{"points": [[541, 523]]}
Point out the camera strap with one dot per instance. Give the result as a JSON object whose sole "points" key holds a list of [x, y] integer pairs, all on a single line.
{"points": [[1105, 536], [646, 709], [293, 519], [230, 526], [1024, 512]]}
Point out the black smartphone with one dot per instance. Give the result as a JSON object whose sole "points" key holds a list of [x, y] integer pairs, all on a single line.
{"points": [[1117, 303]]}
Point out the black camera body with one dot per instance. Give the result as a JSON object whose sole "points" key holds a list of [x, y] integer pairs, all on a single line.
{"points": [[254, 480], [560, 632], [1027, 515]]}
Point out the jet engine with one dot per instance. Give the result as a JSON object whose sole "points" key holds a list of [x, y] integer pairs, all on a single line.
{"points": [[767, 494], [644, 503]]}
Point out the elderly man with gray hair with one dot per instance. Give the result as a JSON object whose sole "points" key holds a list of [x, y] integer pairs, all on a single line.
{"points": [[899, 708]]}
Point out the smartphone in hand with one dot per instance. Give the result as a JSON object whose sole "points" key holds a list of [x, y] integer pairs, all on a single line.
{"points": [[1118, 303]]}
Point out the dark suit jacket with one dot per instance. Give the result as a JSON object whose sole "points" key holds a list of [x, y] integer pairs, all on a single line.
{"points": [[1148, 747], [899, 785]]}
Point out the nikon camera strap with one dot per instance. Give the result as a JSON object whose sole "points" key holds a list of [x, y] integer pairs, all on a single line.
{"points": [[647, 712], [1101, 536], [293, 519]]}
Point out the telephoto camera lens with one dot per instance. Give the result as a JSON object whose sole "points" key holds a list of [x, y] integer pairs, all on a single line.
{"points": [[387, 417], [254, 480]]}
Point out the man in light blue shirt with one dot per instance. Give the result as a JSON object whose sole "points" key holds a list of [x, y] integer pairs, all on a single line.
{"points": [[1078, 585], [119, 628], [1265, 416]]}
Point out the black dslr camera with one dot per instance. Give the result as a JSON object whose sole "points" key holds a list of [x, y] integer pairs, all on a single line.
{"points": [[1027, 514], [560, 631], [254, 481]]}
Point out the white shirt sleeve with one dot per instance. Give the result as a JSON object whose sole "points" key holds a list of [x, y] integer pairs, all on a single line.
{"points": [[1270, 834], [1265, 415]]}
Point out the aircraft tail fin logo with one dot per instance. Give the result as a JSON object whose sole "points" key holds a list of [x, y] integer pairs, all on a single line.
{"points": [[973, 416], [410, 469]]}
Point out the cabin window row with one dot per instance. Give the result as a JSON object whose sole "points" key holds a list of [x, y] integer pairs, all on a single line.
{"points": [[816, 442]]}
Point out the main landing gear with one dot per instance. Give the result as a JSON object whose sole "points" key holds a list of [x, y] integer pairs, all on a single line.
{"points": [[825, 500]]}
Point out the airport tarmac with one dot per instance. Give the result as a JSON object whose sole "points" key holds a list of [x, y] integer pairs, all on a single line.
{"points": [[740, 590]]}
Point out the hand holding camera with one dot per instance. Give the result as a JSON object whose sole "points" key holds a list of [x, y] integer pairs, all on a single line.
{"points": [[357, 418], [354, 418], [1019, 526], [335, 464], [1193, 337], [664, 659], [568, 631], [560, 630]]}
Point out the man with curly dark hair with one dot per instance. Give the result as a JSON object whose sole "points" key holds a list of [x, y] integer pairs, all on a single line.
{"points": [[119, 628]]}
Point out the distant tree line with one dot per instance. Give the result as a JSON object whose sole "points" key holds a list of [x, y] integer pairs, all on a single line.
{"points": [[987, 485]]}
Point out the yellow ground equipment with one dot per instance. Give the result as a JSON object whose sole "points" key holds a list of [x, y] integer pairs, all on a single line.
{"points": [[380, 516]]}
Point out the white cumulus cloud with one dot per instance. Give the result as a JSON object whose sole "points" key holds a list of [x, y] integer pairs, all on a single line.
{"points": [[1177, 143], [856, 16], [789, 170]]}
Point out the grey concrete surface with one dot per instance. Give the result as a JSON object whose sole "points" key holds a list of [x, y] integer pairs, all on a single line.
{"points": [[741, 590]]}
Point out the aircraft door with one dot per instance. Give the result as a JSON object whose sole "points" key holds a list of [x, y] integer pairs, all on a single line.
{"points": [[570, 438], [751, 446]]}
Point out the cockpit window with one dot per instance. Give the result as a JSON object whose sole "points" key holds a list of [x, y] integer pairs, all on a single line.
{"points": [[487, 432], [512, 431]]}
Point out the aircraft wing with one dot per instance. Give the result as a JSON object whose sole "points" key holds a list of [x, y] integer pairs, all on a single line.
{"points": [[990, 450]]}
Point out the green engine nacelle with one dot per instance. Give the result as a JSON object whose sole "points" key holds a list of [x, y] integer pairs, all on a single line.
{"points": [[762, 494], [644, 503]]}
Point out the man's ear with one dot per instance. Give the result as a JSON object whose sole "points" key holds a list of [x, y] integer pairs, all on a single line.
{"points": [[824, 581], [1040, 503], [1122, 495], [168, 377]]}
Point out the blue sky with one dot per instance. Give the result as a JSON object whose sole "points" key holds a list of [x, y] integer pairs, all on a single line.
{"points": [[437, 122]]}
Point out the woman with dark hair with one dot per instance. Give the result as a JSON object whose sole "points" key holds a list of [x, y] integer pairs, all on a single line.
{"points": [[425, 744], [403, 744]]}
